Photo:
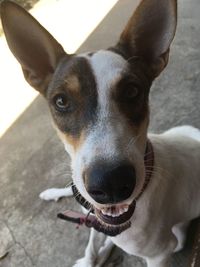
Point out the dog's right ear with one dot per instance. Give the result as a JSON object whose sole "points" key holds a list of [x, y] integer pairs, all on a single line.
{"points": [[35, 49]]}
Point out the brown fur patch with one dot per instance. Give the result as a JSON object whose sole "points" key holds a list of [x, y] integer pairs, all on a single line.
{"points": [[133, 105], [74, 141], [73, 84]]}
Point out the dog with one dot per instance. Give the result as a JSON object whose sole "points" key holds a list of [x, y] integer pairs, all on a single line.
{"points": [[142, 189]]}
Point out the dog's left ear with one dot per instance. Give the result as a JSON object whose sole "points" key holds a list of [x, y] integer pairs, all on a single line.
{"points": [[149, 33]]}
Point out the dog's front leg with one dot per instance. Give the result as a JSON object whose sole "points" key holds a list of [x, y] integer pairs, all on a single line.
{"points": [[104, 252], [97, 251], [56, 193], [164, 259], [159, 262]]}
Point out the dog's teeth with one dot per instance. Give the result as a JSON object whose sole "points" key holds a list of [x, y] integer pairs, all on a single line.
{"points": [[103, 211], [121, 211], [115, 214], [125, 209], [106, 211], [114, 211]]}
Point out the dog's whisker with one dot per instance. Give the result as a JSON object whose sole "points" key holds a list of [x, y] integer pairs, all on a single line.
{"points": [[130, 144], [158, 168], [133, 140], [63, 173], [158, 171], [69, 184]]}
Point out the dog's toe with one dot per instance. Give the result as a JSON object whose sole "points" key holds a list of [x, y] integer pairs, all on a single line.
{"points": [[83, 262]]}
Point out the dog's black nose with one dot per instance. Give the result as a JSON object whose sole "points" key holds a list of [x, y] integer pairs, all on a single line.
{"points": [[109, 184]]}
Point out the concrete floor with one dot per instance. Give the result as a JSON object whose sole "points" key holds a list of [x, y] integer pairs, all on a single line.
{"points": [[33, 159]]}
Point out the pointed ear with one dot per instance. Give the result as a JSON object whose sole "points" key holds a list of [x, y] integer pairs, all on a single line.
{"points": [[149, 33], [35, 49]]}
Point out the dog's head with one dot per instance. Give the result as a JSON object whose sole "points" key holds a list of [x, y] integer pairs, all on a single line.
{"points": [[99, 101]]}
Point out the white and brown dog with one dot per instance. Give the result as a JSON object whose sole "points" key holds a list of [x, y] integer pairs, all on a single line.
{"points": [[143, 190]]}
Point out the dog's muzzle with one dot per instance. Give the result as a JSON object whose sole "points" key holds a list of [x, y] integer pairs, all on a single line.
{"points": [[114, 218]]}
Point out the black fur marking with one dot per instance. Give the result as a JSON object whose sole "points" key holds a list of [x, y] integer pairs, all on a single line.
{"points": [[134, 108]]}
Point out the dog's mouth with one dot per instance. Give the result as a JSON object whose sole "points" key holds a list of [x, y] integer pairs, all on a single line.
{"points": [[116, 214], [111, 220]]}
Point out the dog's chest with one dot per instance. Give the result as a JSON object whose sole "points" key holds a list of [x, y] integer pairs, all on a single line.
{"points": [[135, 240], [133, 243]]}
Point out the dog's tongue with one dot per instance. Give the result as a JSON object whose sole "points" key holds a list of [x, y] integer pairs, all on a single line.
{"points": [[90, 220]]}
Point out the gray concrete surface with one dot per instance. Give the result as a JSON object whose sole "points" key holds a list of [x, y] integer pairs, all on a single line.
{"points": [[33, 159]]}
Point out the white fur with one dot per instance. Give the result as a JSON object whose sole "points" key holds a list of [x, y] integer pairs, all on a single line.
{"points": [[56, 193], [185, 130], [179, 231]]}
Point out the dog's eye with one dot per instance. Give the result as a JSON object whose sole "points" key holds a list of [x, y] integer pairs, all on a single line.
{"points": [[61, 102], [131, 92]]}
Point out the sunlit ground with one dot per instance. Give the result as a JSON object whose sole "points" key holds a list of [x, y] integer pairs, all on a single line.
{"points": [[71, 22]]}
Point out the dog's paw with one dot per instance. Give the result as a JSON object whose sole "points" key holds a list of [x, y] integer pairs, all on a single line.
{"points": [[83, 262], [56, 193], [50, 194]]}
